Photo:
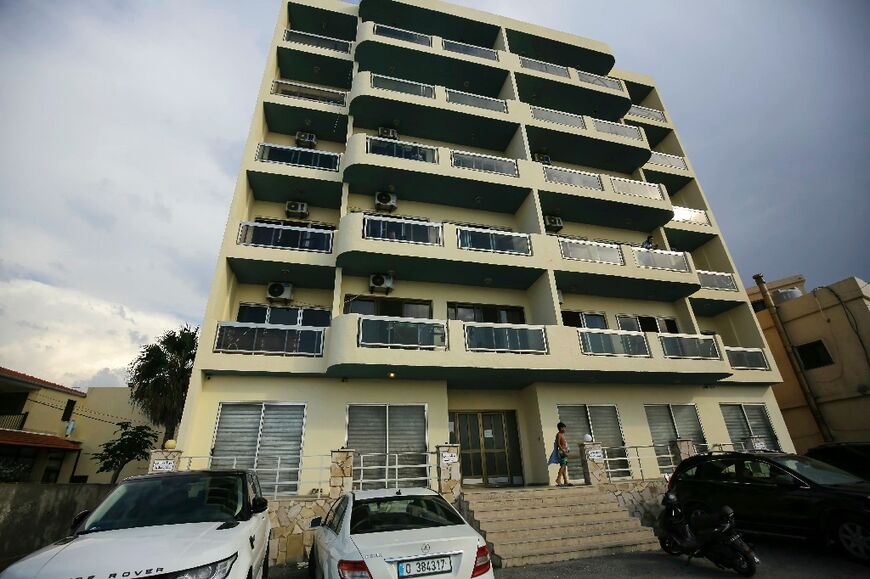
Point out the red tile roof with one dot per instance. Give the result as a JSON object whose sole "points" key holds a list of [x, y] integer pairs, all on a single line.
{"points": [[8, 373], [24, 438]]}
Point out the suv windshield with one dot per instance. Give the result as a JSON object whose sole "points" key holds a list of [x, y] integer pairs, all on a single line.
{"points": [[170, 500], [401, 514], [816, 471]]}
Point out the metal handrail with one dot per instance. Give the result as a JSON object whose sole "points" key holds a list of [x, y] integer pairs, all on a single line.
{"points": [[599, 80], [688, 214], [410, 32], [681, 254], [548, 67], [697, 337], [659, 188], [417, 321], [430, 478], [549, 169], [278, 82], [186, 463], [337, 41], [729, 349], [489, 51], [277, 327], [607, 332], [494, 232], [637, 133], [503, 102], [13, 421], [654, 114], [402, 80], [260, 147], [668, 160], [578, 121], [571, 241], [497, 326], [254, 224], [369, 139], [436, 225], [731, 286], [512, 162]]}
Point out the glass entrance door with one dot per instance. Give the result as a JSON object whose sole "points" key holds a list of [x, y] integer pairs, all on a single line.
{"points": [[488, 446]]}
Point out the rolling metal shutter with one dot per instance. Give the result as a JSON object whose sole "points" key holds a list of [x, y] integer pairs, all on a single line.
{"points": [[600, 422], [406, 436], [735, 422], [663, 432], [759, 424], [576, 421], [688, 424], [745, 420], [367, 435], [235, 442]]}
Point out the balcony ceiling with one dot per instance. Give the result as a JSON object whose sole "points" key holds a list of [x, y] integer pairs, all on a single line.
{"points": [[685, 240], [278, 188], [555, 52], [304, 66], [624, 287], [654, 133], [261, 272], [571, 98], [673, 183], [587, 151], [291, 116], [584, 209], [708, 308], [323, 22], [431, 22]]}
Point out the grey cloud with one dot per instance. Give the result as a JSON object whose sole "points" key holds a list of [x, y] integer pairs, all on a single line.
{"points": [[104, 377]]}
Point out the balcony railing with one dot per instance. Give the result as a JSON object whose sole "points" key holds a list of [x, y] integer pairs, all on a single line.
{"points": [[638, 188], [597, 342], [747, 358], [571, 177], [717, 280], [604, 81], [308, 92], [689, 215], [401, 34], [476, 100], [479, 239], [402, 230], [243, 338], [317, 40], [484, 163], [13, 421], [558, 117], [541, 66], [517, 339], [405, 333], [661, 259], [405, 86], [583, 250], [627, 131], [667, 160], [402, 150], [647, 113], [297, 157], [285, 237], [470, 49], [689, 346]]}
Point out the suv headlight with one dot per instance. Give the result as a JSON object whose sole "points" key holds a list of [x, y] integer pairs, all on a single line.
{"points": [[218, 570]]}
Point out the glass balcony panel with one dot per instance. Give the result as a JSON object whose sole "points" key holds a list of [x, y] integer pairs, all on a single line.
{"points": [[540, 66], [558, 117], [233, 337], [317, 40], [402, 150], [647, 112], [402, 333], [605, 81], [481, 102], [685, 346], [298, 157], [503, 338], [405, 230], [576, 178], [618, 129], [285, 237], [405, 86], [310, 93], [613, 343], [666, 160], [717, 280], [747, 358], [637, 188], [659, 259], [400, 34], [470, 49], [497, 241], [688, 215], [484, 163], [591, 251]]}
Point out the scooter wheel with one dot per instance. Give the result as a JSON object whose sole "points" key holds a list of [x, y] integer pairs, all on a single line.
{"points": [[669, 546], [744, 566]]}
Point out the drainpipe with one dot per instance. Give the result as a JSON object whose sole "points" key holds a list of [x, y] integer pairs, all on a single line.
{"points": [[807, 391]]}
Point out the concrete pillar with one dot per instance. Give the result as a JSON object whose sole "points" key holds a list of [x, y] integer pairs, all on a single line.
{"points": [[592, 459], [340, 472], [683, 449], [449, 472], [164, 460]]}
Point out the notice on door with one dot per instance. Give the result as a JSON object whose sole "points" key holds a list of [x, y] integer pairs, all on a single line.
{"points": [[487, 433]]}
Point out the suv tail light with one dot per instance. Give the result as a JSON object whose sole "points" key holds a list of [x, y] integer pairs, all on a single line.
{"points": [[482, 562], [353, 570]]}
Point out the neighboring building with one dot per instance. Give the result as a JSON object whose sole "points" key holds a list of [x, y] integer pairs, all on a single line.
{"points": [[828, 330], [435, 236], [48, 432]]}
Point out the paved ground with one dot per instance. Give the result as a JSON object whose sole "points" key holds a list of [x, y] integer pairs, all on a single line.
{"points": [[786, 559]]}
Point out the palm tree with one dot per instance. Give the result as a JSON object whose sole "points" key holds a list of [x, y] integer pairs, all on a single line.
{"points": [[159, 377]]}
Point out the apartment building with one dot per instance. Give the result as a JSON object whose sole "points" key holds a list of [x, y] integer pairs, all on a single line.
{"points": [[436, 236]]}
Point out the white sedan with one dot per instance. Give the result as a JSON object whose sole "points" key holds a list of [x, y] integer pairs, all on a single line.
{"points": [[396, 533]]}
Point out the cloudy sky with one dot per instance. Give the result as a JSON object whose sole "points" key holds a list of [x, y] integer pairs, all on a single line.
{"points": [[122, 125]]}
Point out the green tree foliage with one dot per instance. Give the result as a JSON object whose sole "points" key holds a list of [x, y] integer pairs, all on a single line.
{"points": [[133, 443], [160, 375]]}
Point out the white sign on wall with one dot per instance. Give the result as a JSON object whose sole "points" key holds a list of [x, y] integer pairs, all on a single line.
{"points": [[163, 465], [595, 455], [449, 458]]}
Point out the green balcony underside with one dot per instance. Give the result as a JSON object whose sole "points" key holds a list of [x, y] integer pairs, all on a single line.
{"points": [[568, 147], [617, 213], [261, 272], [617, 286], [277, 188], [708, 308], [684, 240], [548, 50], [292, 115], [571, 98], [322, 22], [303, 66]]}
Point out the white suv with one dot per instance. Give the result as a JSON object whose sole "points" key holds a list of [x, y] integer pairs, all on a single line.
{"points": [[187, 525]]}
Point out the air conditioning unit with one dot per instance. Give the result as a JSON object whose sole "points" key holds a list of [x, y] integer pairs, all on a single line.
{"points": [[380, 283], [279, 291], [385, 201], [297, 209], [541, 158], [306, 140], [388, 133], [552, 223]]}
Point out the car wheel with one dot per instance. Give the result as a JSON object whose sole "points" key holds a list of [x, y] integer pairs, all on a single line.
{"points": [[669, 546], [744, 566], [853, 536], [312, 563]]}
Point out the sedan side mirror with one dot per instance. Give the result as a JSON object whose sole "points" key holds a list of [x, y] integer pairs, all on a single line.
{"points": [[315, 522], [78, 520], [259, 505]]}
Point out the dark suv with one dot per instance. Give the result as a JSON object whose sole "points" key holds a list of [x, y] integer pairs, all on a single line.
{"points": [[852, 457], [781, 494]]}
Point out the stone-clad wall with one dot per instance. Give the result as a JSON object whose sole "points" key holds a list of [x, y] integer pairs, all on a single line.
{"points": [[642, 499], [291, 536]]}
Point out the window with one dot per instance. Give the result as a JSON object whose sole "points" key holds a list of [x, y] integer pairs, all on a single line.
{"points": [[337, 513], [760, 472], [263, 314], [265, 437], [68, 411], [486, 313], [390, 443], [647, 324], [669, 422], [602, 423], [814, 355], [749, 420], [584, 320], [401, 514], [396, 308], [53, 462]]}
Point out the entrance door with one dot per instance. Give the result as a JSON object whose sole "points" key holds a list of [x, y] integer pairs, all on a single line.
{"points": [[488, 446]]}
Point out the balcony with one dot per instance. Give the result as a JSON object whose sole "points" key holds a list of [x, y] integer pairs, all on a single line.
{"points": [[403, 86], [747, 358], [593, 251], [298, 90], [404, 35], [274, 236], [719, 293], [485, 163], [242, 338], [717, 280], [689, 346], [509, 338], [475, 100], [13, 421], [545, 67], [477, 239], [405, 333], [469, 49], [595, 342], [647, 113], [751, 366], [691, 216], [402, 230], [282, 173], [318, 41], [598, 80], [661, 259], [670, 161], [297, 157], [292, 105]]}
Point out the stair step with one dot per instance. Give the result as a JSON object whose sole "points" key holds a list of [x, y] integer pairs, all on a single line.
{"points": [[597, 550], [511, 503], [526, 492], [557, 545], [546, 511], [496, 531]]}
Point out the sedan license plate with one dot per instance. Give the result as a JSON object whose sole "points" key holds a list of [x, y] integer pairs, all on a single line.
{"points": [[420, 567]]}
